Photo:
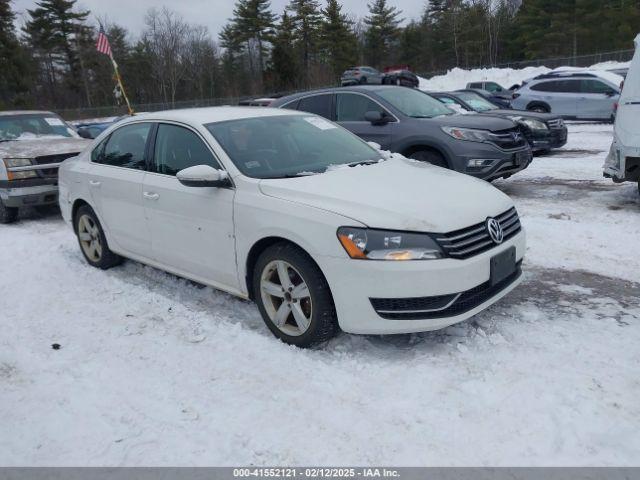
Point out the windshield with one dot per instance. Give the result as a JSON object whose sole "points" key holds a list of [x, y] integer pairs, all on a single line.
{"points": [[289, 146], [34, 125], [413, 103], [475, 101]]}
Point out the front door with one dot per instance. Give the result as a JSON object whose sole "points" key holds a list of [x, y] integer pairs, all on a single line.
{"points": [[115, 179], [191, 227], [350, 113], [597, 100]]}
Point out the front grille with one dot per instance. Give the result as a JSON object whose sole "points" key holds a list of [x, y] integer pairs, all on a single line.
{"points": [[509, 139], [473, 240], [48, 159], [556, 123], [463, 302]]}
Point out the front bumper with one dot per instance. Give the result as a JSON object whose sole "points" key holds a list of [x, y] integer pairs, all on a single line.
{"points": [[547, 139], [354, 282], [28, 193], [503, 163]]}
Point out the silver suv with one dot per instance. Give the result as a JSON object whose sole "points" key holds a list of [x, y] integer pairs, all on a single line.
{"points": [[362, 75], [583, 96]]}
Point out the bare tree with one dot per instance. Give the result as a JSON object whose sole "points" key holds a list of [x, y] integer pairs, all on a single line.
{"points": [[167, 37]]}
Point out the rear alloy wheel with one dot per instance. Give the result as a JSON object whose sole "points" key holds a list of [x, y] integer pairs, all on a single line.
{"points": [[7, 214], [363, 80], [293, 296], [430, 156], [92, 240]]}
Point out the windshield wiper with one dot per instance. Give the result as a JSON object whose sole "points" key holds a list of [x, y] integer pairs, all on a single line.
{"points": [[364, 162]]}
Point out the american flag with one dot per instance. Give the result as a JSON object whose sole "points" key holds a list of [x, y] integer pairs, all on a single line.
{"points": [[102, 45]]}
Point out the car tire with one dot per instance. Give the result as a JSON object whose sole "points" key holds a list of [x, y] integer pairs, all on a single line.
{"points": [[7, 214], [298, 310], [430, 156], [92, 240], [363, 80]]}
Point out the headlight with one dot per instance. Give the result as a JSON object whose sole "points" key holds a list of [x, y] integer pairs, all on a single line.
{"points": [[19, 162], [532, 123], [369, 244], [469, 134]]}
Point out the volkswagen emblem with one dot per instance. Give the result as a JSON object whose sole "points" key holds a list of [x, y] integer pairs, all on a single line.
{"points": [[495, 230]]}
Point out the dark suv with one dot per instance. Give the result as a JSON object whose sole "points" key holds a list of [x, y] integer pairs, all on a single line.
{"points": [[418, 126]]}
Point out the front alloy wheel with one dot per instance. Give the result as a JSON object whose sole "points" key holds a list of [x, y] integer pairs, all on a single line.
{"points": [[286, 298], [293, 296]]}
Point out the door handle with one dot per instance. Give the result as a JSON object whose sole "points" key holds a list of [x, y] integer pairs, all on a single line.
{"points": [[94, 183], [151, 196]]}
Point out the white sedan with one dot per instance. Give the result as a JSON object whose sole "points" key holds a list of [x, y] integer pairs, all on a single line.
{"points": [[322, 230]]}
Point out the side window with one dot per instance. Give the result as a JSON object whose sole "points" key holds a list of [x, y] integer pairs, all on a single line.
{"points": [[493, 87], [351, 107], [97, 153], [595, 86], [475, 85], [546, 87], [317, 104], [291, 105], [177, 148], [125, 147]]}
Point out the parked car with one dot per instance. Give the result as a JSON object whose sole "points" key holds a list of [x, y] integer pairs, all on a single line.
{"points": [[498, 100], [623, 161], [32, 145], [401, 77], [91, 129], [307, 219], [543, 131], [573, 95], [257, 102], [362, 76], [420, 127]]}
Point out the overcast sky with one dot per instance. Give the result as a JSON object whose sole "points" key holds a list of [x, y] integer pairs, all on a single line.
{"points": [[212, 13]]}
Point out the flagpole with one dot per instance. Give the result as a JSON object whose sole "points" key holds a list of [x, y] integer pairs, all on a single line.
{"points": [[124, 93]]}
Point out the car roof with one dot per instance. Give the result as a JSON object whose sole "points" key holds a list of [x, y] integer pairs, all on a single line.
{"points": [[355, 88], [207, 115], [26, 112]]}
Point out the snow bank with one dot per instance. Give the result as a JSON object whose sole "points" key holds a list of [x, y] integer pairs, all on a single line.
{"points": [[458, 78]]}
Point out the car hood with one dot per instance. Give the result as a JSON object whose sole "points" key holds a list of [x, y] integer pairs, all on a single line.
{"points": [[479, 121], [37, 147], [398, 194]]}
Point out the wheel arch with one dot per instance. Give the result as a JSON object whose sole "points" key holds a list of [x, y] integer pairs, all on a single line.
{"points": [[538, 103], [79, 202], [411, 149], [254, 253]]}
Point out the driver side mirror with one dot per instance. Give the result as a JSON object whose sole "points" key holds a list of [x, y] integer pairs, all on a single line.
{"points": [[377, 118], [203, 176], [610, 93]]}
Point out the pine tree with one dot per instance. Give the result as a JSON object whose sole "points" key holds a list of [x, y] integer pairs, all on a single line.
{"points": [[306, 19], [53, 31], [253, 21], [382, 32], [338, 42], [14, 73], [284, 65]]}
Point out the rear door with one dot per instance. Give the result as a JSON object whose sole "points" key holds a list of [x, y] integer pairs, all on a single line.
{"points": [[350, 113], [318, 104], [191, 227], [597, 99], [116, 175]]}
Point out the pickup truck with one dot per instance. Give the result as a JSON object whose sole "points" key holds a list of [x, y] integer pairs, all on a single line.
{"points": [[33, 144]]}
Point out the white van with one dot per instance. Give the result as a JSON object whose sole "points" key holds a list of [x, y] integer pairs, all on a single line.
{"points": [[623, 162]]}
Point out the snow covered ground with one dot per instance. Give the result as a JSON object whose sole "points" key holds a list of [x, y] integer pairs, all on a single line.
{"points": [[155, 370]]}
